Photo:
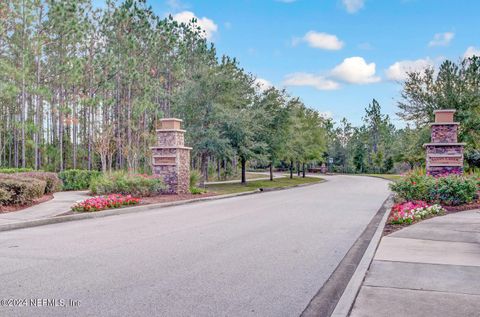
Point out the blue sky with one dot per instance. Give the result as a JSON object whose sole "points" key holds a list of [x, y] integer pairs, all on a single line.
{"points": [[336, 55]]}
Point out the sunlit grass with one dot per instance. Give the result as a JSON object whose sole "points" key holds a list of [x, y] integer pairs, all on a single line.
{"points": [[253, 185]]}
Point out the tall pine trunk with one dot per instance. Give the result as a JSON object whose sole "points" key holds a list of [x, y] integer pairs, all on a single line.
{"points": [[271, 171], [243, 162]]}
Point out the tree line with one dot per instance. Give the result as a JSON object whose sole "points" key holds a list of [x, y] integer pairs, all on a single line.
{"points": [[377, 146], [83, 87]]}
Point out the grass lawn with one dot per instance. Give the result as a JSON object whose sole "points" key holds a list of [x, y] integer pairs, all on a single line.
{"points": [[252, 185], [214, 178], [391, 177]]}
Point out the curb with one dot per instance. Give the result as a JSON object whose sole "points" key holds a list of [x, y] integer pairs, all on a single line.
{"points": [[134, 209], [337, 295], [347, 300]]}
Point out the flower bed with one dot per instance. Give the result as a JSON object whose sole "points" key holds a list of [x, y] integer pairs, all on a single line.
{"points": [[105, 202], [408, 212]]}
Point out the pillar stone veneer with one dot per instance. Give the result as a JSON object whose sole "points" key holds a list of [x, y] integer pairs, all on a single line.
{"points": [[444, 153], [171, 158]]}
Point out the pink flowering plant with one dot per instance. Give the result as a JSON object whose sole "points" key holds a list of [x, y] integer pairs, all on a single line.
{"points": [[410, 211], [105, 202]]}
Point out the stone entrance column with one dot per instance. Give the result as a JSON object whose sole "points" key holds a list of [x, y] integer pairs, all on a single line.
{"points": [[444, 154], [171, 158]]}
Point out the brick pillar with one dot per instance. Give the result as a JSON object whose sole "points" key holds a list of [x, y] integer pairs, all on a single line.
{"points": [[444, 153], [171, 158]]}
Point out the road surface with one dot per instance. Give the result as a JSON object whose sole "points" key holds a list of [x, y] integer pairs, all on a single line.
{"points": [[257, 255]]}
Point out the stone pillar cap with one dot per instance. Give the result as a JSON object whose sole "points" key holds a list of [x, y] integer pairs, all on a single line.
{"points": [[445, 144], [444, 115], [170, 123], [444, 123], [444, 110]]}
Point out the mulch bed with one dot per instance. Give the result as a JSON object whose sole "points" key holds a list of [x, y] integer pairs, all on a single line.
{"points": [[170, 198], [5, 209], [391, 228], [471, 206]]}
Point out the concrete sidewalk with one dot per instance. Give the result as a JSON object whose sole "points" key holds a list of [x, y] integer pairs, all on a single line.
{"points": [[61, 203], [429, 269]]}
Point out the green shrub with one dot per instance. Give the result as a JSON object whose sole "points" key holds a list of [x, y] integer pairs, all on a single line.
{"points": [[449, 190], [121, 183], [414, 187], [77, 179], [195, 177], [54, 184], [454, 190], [15, 170], [196, 191], [23, 190]]}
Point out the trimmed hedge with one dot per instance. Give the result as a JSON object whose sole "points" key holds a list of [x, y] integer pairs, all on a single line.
{"points": [[5, 196], [77, 179], [17, 190], [54, 184], [15, 170], [121, 183], [450, 190]]}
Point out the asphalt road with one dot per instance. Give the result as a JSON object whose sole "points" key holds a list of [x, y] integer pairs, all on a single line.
{"points": [[259, 255]]}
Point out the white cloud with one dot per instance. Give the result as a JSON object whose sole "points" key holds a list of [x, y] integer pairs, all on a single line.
{"points": [[205, 23], [263, 84], [398, 70], [353, 6], [471, 51], [321, 40], [355, 70], [306, 79], [441, 39]]}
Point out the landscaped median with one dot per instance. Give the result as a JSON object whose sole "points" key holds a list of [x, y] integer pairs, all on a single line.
{"points": [[284, 182], [141, 195]]}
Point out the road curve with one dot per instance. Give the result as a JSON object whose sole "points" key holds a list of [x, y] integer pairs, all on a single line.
{"points": [[258, 255]]}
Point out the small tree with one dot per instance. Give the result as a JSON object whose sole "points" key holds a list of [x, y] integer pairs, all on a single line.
{"points": [[105, 146]]}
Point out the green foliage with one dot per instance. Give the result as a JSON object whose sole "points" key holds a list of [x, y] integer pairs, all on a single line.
{"points": [[414, 187], [22, 190], [449, 190], [122, 183], [77, 179], [15, 170], [197, 191], [369, 148], [82, 86], [455, 190], [195, 177]]}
